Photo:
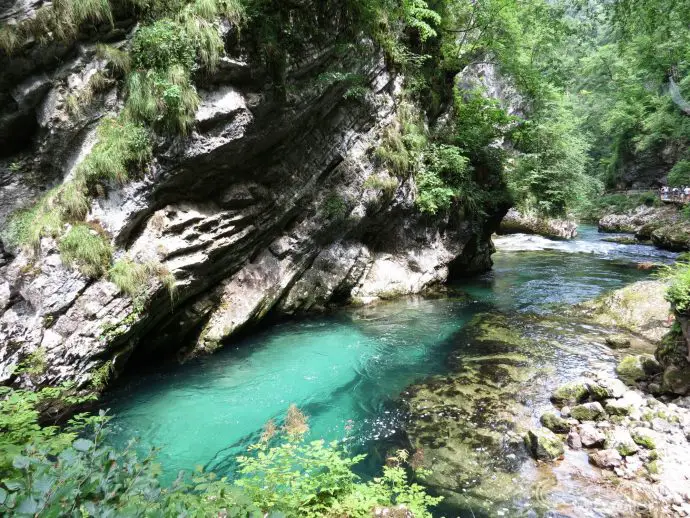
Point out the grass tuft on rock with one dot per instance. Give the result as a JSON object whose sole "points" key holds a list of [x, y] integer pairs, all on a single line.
{"points": [[129, 276], [87, 249], [122, 143]]}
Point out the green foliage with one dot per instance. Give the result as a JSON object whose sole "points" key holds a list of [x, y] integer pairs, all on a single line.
{"points": [[119, 59], [47, 471], [34, 364], [161, 45], [19, 424], [442, 180], [86, 249], [549, 176], [680, 173], [421, 18], [386, 184], [59, 20], [403, 142]]}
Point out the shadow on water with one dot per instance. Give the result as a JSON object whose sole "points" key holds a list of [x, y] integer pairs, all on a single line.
{"points": [[346, 370]]}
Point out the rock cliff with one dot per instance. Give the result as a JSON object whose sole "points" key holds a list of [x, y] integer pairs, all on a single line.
{"points": [[274, 203]]}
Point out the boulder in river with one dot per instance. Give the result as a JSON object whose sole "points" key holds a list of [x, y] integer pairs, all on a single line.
{"points": [[640, 307], [638, 367], [672, 237], [543, 444], [515, 222]]}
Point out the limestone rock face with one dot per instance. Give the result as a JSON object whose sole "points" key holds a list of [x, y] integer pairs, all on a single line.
{"points": [[263, 208]]}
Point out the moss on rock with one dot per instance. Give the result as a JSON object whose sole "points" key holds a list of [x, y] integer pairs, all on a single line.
{"points": [[588, 412], [571, 393], [676, 380], [554, 423], [543, 444]]}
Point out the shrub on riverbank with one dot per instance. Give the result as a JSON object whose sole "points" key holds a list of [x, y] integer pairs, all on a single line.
{"points": [[72, 471]]}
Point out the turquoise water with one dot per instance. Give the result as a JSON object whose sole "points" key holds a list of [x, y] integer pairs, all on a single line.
{"points": [[346, 370]]}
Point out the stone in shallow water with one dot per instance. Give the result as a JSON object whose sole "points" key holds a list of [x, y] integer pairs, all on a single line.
{"points": [[607, 459], [590, 436], [574, 440], [588, 412], [543, 444], [618, 407]]}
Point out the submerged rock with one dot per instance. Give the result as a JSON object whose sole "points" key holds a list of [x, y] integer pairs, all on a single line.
{"points": [[618, 341], [543, 444], [515, 222]]}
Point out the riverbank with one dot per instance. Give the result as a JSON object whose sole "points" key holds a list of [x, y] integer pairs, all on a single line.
{"points": [[665, 227]]}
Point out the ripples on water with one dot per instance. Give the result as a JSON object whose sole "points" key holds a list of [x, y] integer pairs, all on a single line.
{"points": [[347, 369]]}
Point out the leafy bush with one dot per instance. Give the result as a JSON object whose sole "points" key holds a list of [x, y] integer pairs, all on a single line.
{"points": [[161, 45], [73, 471], [678, 293], [87, 249]]}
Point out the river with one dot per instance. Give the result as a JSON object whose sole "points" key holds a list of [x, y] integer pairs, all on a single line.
{"points": [[346, 370]]}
